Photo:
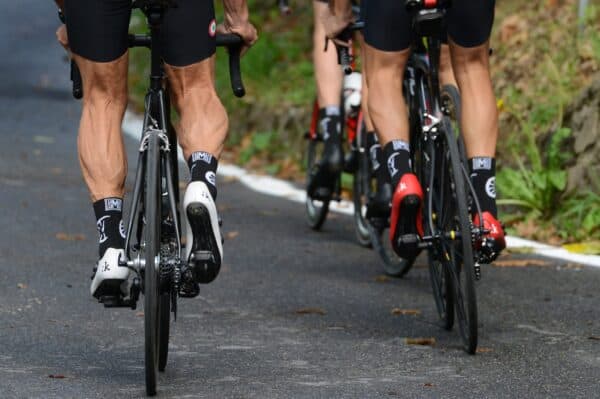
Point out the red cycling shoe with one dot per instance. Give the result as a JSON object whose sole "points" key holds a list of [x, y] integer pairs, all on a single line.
{"points": [[406, 222], [494, 241]]}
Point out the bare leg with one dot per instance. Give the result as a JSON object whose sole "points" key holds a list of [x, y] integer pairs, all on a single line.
{"points": [[328, 73], [479, 113], [446, 72], [387, 109], [204, 123], [365, 89], [100, 143]]}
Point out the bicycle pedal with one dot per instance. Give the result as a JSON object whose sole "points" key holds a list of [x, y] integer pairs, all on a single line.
{"points": [[408, 246], [114, 301], [202, 256]]}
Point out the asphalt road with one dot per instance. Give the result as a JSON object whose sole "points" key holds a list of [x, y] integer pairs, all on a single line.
{"points": [[244, 337]]}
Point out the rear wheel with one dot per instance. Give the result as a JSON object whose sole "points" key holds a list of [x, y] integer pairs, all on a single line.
{"points": [[316, 209], [437, 214], [457, 245], [152, 217], [361, 190]]}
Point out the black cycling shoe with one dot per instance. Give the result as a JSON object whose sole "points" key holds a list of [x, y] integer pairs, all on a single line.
{"points": [[379, 204], [328, 170]]}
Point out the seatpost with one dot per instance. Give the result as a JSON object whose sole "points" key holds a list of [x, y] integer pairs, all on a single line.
{"points": [[155, 17]]}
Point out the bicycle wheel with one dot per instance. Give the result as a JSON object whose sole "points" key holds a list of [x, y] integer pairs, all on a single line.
{"points": [[457, 245], [316, 209], [436, 213], [164, 325], [152, 220], [361, 191], [393, 265]]}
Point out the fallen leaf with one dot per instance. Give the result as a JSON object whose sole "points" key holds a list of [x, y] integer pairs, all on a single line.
{"points": [[404, 312], [59, 376], [428, 384], [421, 341], [70, 237], [594, 338], [21, 286], [232, 234], [43, 139], [318, 311], [521, 263], [382, 278], [484, 350]]}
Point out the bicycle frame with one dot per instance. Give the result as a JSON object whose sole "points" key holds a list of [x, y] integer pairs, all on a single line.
{"points": [[156, 122]]}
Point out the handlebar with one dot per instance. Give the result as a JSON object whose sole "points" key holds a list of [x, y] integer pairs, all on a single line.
{"points": [[344, 57], [233, 43]]}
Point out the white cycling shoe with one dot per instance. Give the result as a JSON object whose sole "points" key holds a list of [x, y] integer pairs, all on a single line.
{"points": [[110, 279], [204, 245]]}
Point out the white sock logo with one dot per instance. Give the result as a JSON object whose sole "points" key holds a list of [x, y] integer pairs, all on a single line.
{"points": [[391, 165], [374, 161], [122, 228], [101, 225], [490, 187], [211, 177]]}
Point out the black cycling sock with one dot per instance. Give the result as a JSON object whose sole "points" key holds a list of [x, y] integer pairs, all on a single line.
{"points": [[109, 222], [203, 167], [377, 159], [330, 123], [397, 154], [483, 178]]}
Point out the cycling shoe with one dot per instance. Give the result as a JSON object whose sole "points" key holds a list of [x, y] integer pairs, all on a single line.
{"points": [[110, 279], [406, 224], [204, 248], [493, 242], [322, 182]]}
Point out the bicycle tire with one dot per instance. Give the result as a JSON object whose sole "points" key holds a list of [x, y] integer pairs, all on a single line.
{"points": [[361, 192], [164, 326], [460, 257], [393, 265], [435, 213], [316, 210], [152, 222]]}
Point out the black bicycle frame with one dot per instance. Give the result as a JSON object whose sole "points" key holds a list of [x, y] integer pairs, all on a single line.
{"points": [[156, 122]]}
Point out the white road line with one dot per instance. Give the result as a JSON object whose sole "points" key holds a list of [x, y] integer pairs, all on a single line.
{"points": [[132, 126]]}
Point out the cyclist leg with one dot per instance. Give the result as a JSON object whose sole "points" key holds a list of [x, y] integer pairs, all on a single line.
{"points": [[329, 80], [188, 36], [102, 61], [387, 40], [446, 72], [380, 204], [469, 29]]}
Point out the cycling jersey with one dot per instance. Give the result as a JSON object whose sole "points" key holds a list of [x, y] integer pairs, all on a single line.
{"points": [[98, 30], [387, 23]]}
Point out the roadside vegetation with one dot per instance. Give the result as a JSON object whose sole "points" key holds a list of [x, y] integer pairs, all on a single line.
{"points": [[543, 58]]}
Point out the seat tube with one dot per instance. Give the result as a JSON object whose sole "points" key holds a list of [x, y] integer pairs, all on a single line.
{"points": [[154, 21]]}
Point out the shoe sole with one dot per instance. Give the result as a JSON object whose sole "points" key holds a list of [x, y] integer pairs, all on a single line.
{"points": [[206, 269], [109, 288], [406, 245]]}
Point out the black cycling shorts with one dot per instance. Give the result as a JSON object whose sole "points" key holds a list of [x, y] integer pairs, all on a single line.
{"points": [[98, 30], [387, 23]]}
